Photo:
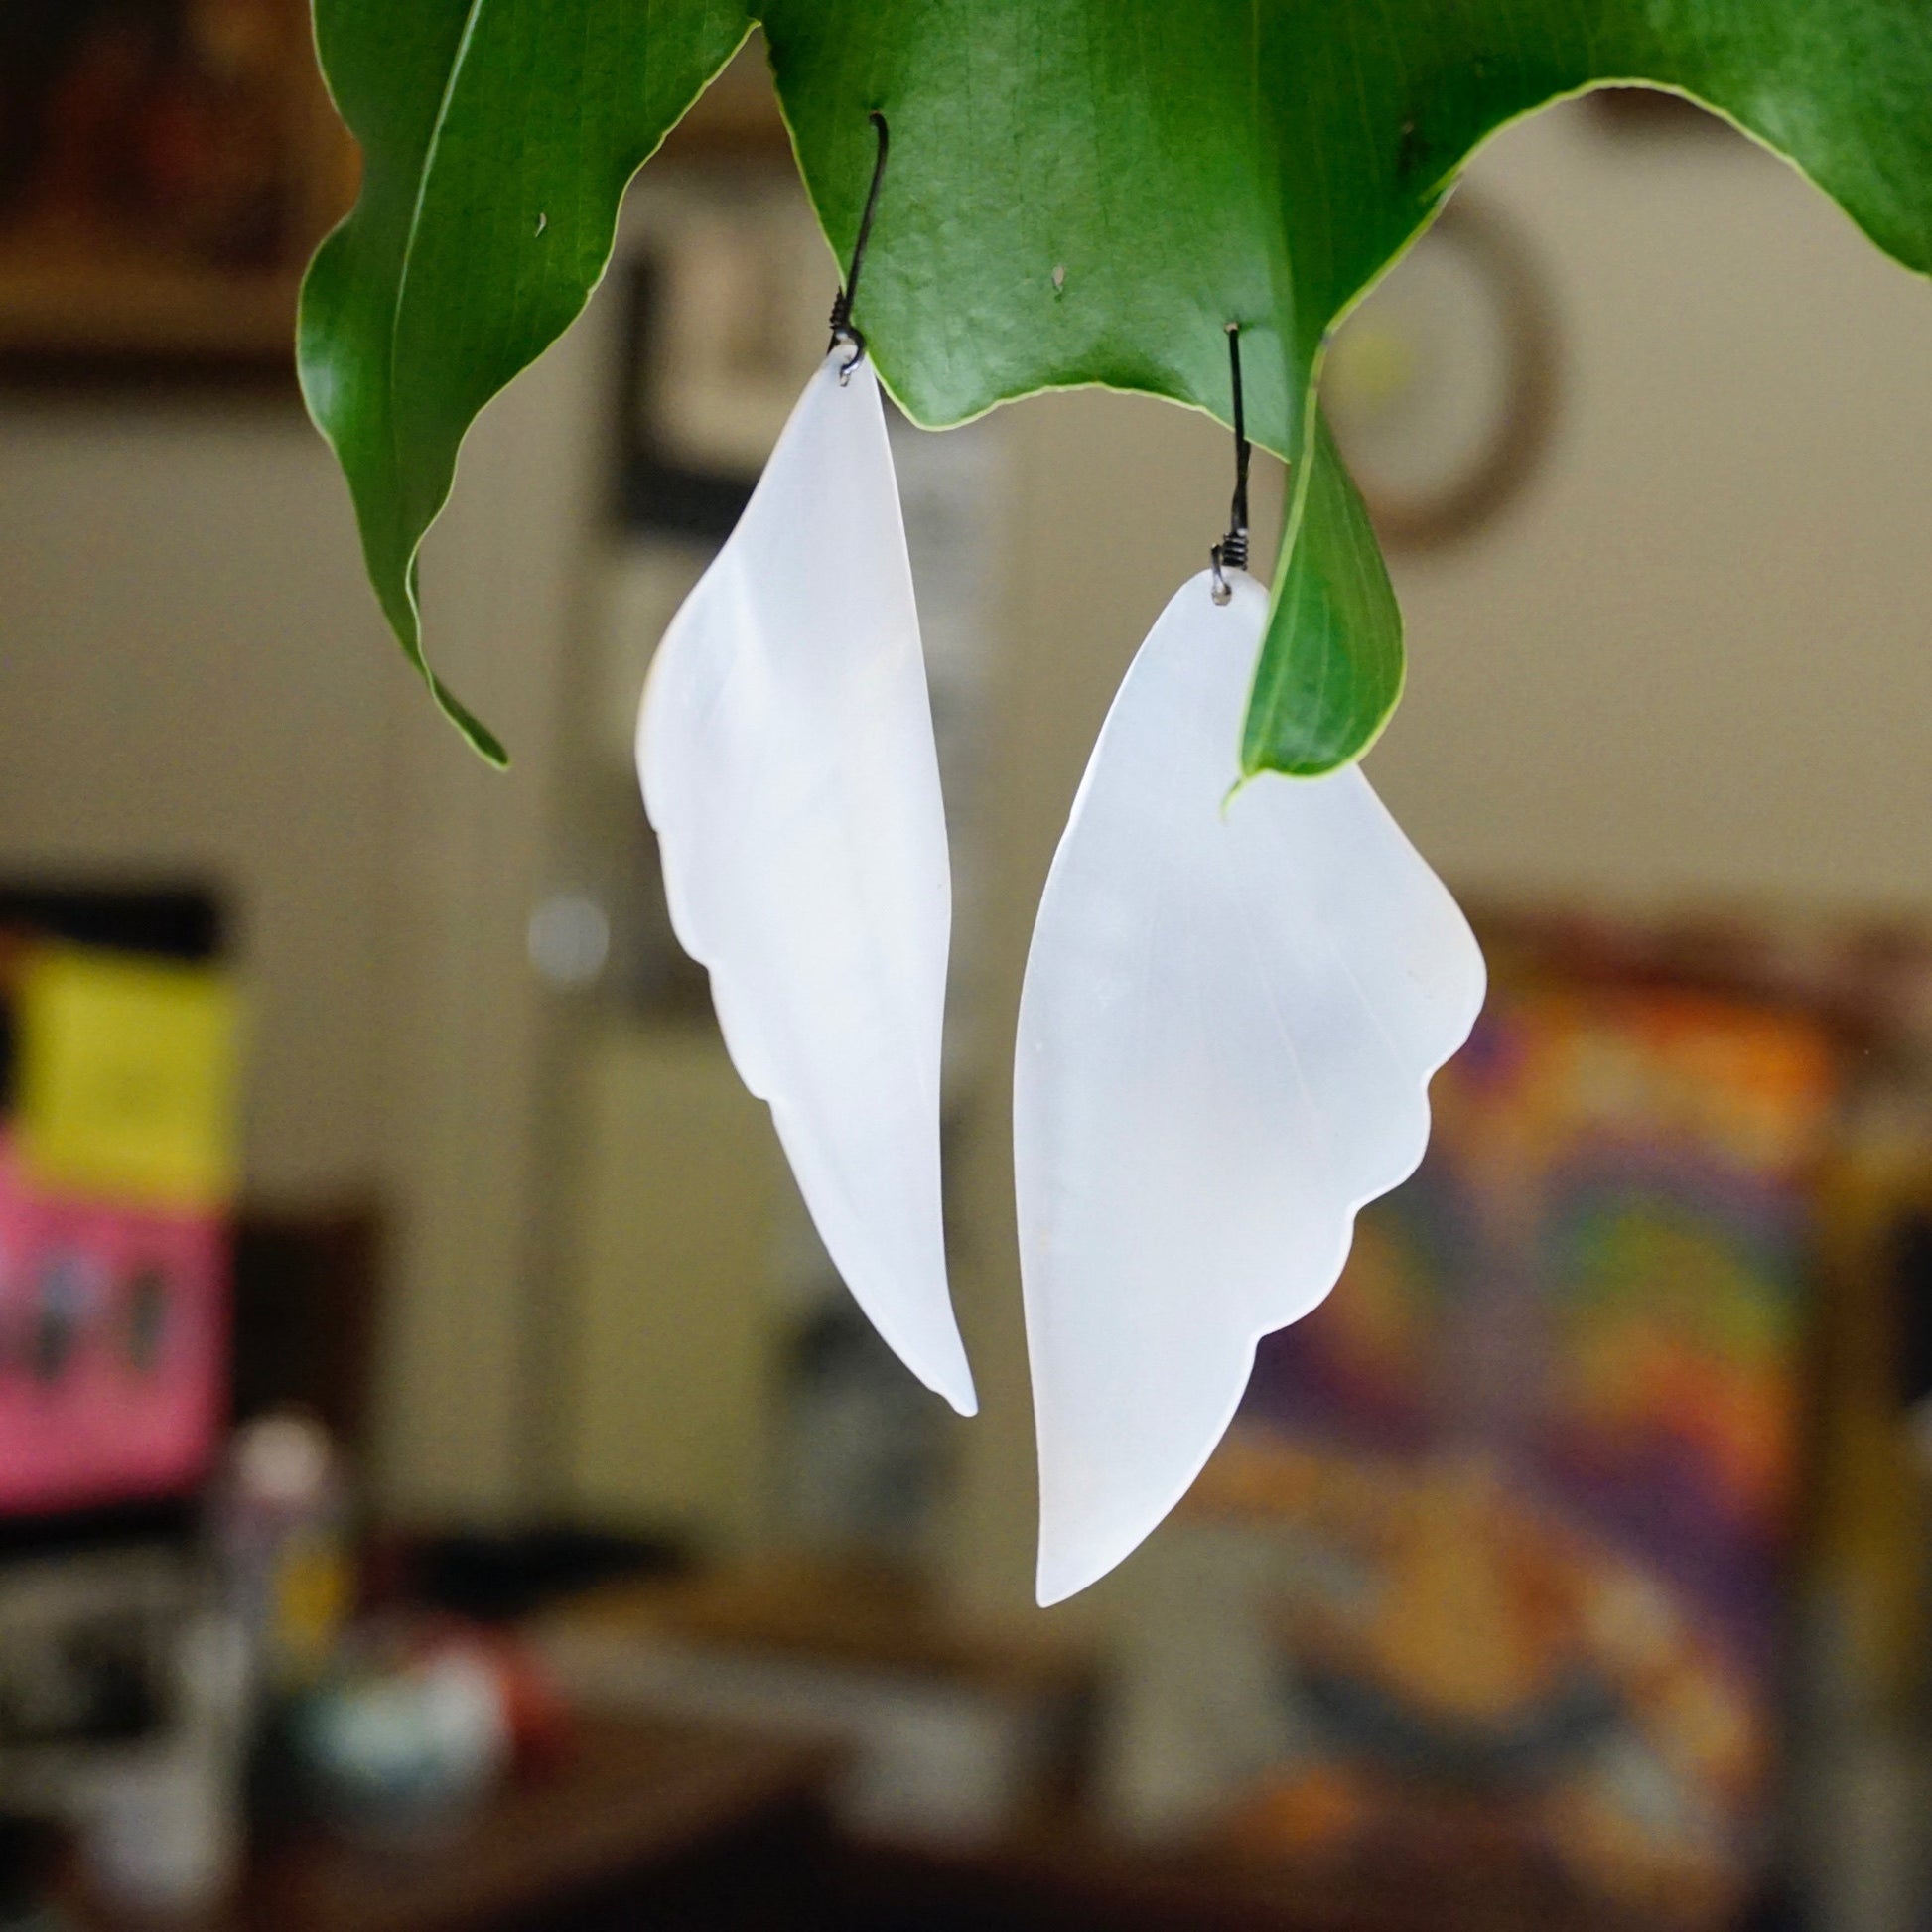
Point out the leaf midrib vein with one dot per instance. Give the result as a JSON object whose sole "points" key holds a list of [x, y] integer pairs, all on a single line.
{"points": [[428, 168]]}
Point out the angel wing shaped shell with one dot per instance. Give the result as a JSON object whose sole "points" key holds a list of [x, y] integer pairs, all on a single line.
{"points": [[786, 754], [1232, 1008]]}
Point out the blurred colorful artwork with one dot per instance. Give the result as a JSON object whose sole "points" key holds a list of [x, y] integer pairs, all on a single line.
{"points": [[116, 1180], [1532, 1470], [113, 1334]]}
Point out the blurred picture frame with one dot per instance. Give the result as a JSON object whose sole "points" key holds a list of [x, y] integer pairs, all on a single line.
{"points": [[167, 167], [725, 295], [1444, 388]]}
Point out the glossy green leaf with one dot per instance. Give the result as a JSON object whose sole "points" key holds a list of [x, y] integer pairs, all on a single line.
{"points": [[1080, 191], [497, 137], [1331, 669]]}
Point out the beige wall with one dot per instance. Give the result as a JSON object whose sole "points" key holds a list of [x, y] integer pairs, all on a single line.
{"points": [[192, 678], [469, 1055], [1699, 656]]}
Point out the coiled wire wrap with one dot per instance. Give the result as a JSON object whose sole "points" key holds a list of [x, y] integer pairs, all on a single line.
{"points": [[1231, 553]]}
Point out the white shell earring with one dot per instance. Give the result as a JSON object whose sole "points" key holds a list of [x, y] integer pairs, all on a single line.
{"points": [[1233, 1004], [786, 754]]}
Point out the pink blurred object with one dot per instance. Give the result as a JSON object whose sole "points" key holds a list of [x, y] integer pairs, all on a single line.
{"points": [[113, 1334]]}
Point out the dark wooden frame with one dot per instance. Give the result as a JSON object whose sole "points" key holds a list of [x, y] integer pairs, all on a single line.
{"points": [[103, 310]]}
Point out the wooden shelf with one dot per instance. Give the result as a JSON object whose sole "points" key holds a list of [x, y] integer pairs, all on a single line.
{"points": [[621, 1818]]}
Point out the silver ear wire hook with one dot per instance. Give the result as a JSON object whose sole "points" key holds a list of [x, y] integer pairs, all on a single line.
{"points": [[1231, 552], [841, 328]]}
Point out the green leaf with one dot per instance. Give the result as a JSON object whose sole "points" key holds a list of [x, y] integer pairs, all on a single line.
{"points": [[498, 136], [1080, 191], [1331, 672]]}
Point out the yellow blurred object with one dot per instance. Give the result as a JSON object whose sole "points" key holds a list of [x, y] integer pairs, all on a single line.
{"points": [[127, 1078], [1375, 364], [314, 1592]]}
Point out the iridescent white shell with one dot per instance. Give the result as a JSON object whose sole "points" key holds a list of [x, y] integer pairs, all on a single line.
{"points": [[786, 753], [1234, 1006]]}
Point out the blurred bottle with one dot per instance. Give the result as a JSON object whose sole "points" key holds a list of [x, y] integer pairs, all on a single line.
{"points": [[279, 1530], [162, 1834]]}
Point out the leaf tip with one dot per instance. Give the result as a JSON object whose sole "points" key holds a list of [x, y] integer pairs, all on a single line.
{"points": [[476, 735]]}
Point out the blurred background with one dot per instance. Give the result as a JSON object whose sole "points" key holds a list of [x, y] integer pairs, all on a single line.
{"points": [[443, 1484]]}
